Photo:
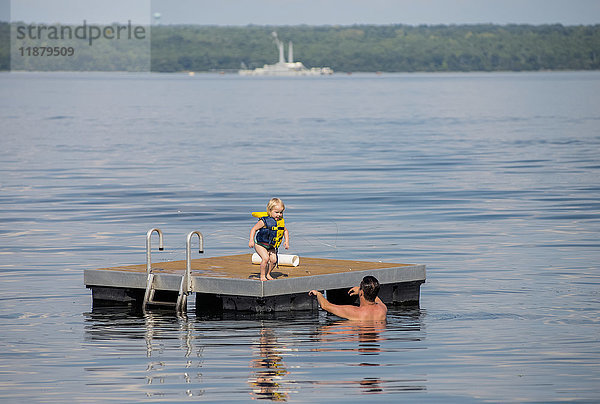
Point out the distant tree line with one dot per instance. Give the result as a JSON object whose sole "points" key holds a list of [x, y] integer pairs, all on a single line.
{"points": [[4, 46], [389, 48], [370, 48]]}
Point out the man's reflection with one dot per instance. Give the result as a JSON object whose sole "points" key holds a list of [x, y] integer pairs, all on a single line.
{"points": [[367, 335], [367, 340]]}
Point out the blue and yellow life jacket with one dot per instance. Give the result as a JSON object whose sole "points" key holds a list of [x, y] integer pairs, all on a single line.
{"points": [[272, 233]]}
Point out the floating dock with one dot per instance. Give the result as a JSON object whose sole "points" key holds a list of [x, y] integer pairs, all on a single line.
{"points": [[232, 283]]}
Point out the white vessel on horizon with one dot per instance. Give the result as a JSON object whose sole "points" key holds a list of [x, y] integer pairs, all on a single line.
{"points": [[283, 68]]}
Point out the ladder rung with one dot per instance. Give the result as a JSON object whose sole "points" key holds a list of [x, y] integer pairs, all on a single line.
{"points": [[159, 303], [150, 293]]}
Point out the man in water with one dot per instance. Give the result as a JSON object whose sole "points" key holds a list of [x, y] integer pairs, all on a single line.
{"points": [[370, 306]]}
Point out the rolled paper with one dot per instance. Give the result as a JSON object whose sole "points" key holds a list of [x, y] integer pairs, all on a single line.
{"points": [[287, 260]]}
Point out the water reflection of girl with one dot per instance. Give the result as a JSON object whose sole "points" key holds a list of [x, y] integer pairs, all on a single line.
{"points": [[270, 368]]}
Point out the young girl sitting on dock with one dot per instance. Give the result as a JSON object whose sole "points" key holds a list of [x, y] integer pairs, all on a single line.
{"points": [[270, 230]]}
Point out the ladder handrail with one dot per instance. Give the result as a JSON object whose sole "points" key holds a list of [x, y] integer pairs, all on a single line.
{"points": [[188, 256], [160, 246], [147, 297]]}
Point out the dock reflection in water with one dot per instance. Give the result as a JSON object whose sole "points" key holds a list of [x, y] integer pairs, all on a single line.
{"points": [[157, 343], [269, 357]]}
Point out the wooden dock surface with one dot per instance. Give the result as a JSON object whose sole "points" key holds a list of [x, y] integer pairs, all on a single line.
{"points": [[241, 267]]}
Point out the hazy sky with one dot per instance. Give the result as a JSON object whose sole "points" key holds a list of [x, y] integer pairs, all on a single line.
{"points": [[313, 12]]}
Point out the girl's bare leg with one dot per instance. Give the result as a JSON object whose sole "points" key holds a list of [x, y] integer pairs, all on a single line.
{"points": [[271, 264], [264, 263]]}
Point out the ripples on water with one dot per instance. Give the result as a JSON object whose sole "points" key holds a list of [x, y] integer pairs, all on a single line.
{"points": [[258, 355], [491, 180]]}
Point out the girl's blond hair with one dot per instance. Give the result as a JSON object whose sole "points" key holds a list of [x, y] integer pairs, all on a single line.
{"points": [[274, 202]]}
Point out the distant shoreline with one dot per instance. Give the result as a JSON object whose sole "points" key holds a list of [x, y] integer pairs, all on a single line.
{"points": [[396, 48]]}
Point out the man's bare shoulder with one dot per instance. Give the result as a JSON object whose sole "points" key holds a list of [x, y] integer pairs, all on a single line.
{"points": [[377, 312]]}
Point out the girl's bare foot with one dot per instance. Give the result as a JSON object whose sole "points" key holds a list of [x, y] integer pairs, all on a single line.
{"points": [[269, 277], [264, 279]]}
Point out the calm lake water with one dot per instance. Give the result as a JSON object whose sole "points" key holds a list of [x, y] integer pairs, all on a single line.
{"points": [[491, 180]]}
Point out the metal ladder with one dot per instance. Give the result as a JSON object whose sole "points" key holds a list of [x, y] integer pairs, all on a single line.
{"points": [[185, 285], [150, 291]]}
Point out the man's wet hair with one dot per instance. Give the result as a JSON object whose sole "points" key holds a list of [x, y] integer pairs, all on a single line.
{"points": [[370, 288]]}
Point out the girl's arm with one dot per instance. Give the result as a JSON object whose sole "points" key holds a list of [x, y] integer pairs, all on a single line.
{"points": [[259, 225], [286, 241]]}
